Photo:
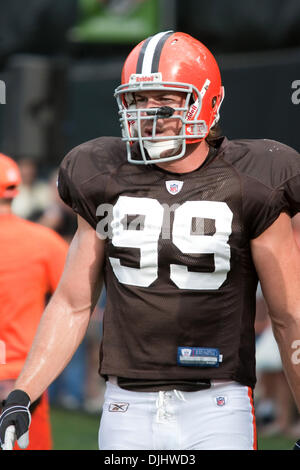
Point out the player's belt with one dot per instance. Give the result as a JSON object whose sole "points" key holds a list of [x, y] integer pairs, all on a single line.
{"points": [[143, 385]]}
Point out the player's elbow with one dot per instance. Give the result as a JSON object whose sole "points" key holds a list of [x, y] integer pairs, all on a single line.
{"points": [[72, 302], [287, 318]]}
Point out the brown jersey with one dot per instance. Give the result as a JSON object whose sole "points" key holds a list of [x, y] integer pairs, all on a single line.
{"points": [[179, 274]]}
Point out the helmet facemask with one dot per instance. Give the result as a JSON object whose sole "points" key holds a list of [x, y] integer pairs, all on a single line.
{"points": [[153, 147]]}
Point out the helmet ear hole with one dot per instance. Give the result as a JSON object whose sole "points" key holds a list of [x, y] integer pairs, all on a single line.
{"points": [[213, 102]]}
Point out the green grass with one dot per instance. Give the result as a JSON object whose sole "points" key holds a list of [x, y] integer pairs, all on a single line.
{"points": [[275, 443], [74, 430]]}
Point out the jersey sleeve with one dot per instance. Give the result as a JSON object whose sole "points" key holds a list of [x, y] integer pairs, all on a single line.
{"points": [[70, 184], [82, 178], [282, 162], [85, 173], [262, 205], [270, 172], [292, 193]]}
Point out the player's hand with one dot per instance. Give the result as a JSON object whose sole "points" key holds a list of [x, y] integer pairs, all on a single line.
{"points": [[15, 420], [297, 445]]}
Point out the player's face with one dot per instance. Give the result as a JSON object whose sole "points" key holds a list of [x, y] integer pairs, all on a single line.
{"points": [[156, 99]]}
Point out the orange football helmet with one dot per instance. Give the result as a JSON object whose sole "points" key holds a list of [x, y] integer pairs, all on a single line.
{"points": [[10, 177], [175, 62]]}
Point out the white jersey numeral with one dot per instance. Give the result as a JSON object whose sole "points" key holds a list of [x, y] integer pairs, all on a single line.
{"points": [[146, 240], [215, 244]]}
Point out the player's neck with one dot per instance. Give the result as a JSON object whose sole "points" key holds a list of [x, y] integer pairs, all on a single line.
{"points": [[194, 157]]}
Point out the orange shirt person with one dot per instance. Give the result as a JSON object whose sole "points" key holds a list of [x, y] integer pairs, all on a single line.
{"points": [[31, 263]]}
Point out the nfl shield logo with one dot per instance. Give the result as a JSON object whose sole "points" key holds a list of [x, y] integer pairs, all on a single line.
{"points": [[174, 187], [220, 401], [186, 352]]}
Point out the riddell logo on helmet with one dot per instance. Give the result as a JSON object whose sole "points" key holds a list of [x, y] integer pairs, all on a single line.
{"points": [[145, 79], [192, 110], [140, 78]]}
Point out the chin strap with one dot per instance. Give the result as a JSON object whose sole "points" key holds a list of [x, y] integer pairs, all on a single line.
{"points": [[155, 149]]}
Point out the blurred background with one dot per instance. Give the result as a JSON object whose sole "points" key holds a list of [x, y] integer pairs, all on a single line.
{"points": [[60, 61]]}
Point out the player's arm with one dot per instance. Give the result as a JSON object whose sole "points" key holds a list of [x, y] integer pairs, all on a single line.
{"points": [[66, 317], [277, 260]]}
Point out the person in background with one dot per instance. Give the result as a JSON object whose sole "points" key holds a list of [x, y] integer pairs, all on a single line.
{"points": [[34, 194], [31, 262]]}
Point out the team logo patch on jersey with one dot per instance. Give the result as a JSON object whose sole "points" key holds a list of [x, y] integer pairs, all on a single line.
{"points": [[118, 407], [174, 187], [198, 357]]}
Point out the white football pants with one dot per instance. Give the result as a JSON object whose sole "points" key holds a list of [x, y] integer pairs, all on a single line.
{"points": [[221, 417]]}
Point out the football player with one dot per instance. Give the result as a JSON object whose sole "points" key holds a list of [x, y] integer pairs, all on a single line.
{"points": [[181, 223]]}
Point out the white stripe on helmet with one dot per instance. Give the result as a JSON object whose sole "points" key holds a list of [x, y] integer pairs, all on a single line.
{"points": [[149, 52]]}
